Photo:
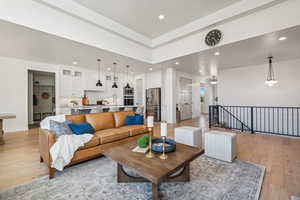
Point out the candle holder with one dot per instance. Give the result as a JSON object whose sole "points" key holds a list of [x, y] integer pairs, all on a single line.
{"points": [[163, 156], [150, 154]]}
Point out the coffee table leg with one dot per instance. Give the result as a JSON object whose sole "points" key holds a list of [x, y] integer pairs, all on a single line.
{"points": [[123, 177], [1, 132], [155, 188]]}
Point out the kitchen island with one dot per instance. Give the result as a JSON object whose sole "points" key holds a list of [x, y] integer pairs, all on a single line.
{"points": [[100, 108]]}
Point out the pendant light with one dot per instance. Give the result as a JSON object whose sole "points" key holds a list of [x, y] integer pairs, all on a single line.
{"points": [[114, 77], [214, 80], [127, 85], [99, 84], [270, 78]]}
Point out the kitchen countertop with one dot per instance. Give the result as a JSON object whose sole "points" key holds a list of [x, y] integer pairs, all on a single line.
{"points": [[100, 106]]}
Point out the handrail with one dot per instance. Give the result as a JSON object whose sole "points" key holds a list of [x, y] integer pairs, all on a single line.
{"points": [[286, 107], [282, 120], [234, 117]]}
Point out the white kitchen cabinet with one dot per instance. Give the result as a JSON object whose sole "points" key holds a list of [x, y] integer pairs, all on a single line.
{"points": [[71, 82], [64, 111], [91, 80]]}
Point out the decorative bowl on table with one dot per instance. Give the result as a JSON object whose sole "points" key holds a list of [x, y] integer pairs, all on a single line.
{"points": [[157, 145]]}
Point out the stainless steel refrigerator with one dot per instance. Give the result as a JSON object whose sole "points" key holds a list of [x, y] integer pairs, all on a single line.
{"points": [[153, 103]]}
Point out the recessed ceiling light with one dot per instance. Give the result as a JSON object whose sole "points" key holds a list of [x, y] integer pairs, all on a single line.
{"points": [[217, 53], [200, 71], [108, 68], [177, 63], [75, 63], [282, 38], [150, 69], [161, 17]]}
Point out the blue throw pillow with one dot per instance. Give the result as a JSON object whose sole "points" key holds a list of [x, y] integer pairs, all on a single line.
{"points": [[134, 120], [60, 128], [139, 119], [82, 128]]}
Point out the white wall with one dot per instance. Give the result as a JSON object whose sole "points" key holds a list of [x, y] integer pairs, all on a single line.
{"points": [[154, 79], [14, 89], [246, 85]]}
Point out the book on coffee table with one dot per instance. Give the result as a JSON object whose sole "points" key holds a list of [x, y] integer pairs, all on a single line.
{"points": [[140, 150]]}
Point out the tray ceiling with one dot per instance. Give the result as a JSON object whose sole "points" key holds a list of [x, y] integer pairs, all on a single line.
{"points": [[142, 15]]}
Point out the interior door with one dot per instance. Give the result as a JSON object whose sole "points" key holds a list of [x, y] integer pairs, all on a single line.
{"points": [[185, 98]]}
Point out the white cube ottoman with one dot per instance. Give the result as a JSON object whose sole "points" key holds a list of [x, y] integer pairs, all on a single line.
{"points": [[220, 145], [189, 135]]}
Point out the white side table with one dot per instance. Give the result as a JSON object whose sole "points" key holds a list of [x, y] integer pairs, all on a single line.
{"points": [[189, 135], [220, 145]]}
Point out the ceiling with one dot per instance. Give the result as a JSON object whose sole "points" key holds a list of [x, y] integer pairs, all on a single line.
{"points": [[24, 43], [252, 51], [28, 44], [142, 15]]}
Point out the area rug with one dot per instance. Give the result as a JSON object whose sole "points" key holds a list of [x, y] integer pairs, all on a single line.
{"points": [[295, 198], [210, 180]]}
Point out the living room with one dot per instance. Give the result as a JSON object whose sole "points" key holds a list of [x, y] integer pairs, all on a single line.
{"points": [[205, 97]]}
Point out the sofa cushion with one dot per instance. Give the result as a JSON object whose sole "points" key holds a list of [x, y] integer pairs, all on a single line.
{"points": [[60, 128], [82, 128], [101, 121], [111, 135], [135, 129], [134, 120], [76, 119], [95, 141], [120, 117]]}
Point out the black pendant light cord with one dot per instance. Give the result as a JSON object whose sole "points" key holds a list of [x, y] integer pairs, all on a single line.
{"points": [[99, 84], [127, 85], [114, 84]]}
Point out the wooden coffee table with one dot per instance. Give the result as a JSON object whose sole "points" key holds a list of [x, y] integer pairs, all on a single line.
{"points": [[174, 169]]}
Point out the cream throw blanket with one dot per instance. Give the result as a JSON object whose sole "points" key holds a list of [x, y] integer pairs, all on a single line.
{"points": [[64, 148]]}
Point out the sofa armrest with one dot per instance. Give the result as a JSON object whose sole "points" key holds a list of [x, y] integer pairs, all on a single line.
{"points": [[46, 140]]}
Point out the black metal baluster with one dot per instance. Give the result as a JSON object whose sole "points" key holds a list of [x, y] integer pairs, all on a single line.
{"points": [[278, 120], [298, 122], [260, 126], [264, 119], [269, 120], [236, 114], [255, 119], [293, 121], [232, 117], [282, 117], [287, 120], [251, 119]]}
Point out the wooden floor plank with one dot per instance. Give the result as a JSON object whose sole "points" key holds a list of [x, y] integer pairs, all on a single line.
{"points": [[281, 156]]}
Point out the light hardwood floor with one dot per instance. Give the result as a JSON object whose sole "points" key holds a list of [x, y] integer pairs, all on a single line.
{"points": [[19, 159]]}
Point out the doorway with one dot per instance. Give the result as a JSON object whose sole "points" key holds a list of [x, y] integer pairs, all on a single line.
{"points": [[185, 98], [41, 96], [206, 97]]}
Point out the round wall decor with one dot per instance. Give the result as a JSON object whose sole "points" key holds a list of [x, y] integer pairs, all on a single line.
{"points": [[45, 95], [213, 37]]}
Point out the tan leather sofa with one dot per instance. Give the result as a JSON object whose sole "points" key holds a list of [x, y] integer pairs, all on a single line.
{"points": [[110, 130]]}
